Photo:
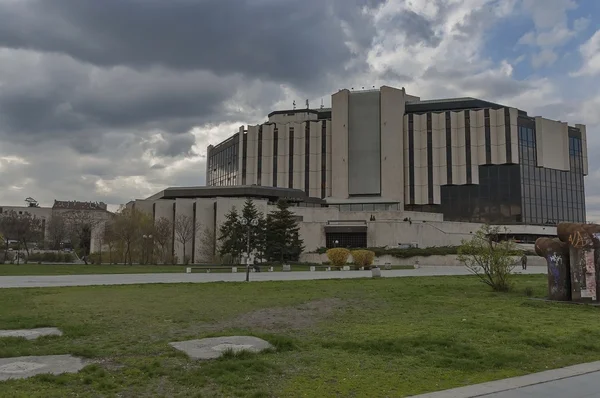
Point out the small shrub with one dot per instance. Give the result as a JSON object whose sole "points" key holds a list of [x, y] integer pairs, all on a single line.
{"points": [[363, 258], [338, 256]]}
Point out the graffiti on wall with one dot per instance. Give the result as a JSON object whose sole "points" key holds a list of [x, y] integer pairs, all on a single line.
{"points": [[577, 240], [555, 262]]}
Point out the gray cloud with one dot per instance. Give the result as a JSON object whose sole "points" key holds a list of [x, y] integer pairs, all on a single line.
{"points": [[282, 40], [416, 27]]}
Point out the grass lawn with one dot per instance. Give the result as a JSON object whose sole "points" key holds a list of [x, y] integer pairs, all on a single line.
{"points": [[335, 338], [78, 269]]}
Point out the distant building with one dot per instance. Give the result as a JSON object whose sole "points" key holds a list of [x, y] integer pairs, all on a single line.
{"points": [[383, 168], [468, 159], [96, 211]]}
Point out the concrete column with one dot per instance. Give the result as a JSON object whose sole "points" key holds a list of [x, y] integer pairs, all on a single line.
{"points": [[392, 143], [251, 162], [339, 138]]}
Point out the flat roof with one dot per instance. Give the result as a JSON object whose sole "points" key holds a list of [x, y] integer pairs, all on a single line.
{"points": [[273, 193]]}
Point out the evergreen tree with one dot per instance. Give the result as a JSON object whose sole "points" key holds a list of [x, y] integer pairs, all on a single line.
{"points": [[256, 232], [231, 236], [283, 241]]}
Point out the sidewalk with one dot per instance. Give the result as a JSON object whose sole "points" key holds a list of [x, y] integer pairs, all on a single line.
{"points": [[579, 381], [129, 279]]}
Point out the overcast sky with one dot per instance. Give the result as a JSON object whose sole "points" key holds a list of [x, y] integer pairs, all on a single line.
{"points": [[112, 100]]}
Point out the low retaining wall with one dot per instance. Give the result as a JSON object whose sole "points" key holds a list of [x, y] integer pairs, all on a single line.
{"points": [[450, 259]]}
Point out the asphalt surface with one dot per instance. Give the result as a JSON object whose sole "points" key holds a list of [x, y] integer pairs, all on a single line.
{"points": [[133, 279], [579, 381]]}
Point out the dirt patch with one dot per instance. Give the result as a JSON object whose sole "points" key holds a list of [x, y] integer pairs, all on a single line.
{"points": [[300, 317], [275, 319]]}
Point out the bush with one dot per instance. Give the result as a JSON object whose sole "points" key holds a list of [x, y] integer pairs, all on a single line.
{"points": [[491, 260], [363, 258], [338, 256]]}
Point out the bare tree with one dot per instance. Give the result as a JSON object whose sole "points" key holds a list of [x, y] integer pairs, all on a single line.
{"points": [[80, 225], [185, 230], [57, 230], [109, 238], [163, 233], [8, 228], [24, 228], [207, 245], [128, 229]]}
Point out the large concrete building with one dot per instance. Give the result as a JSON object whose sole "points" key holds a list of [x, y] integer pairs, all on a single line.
{"points": [[382, 168]]}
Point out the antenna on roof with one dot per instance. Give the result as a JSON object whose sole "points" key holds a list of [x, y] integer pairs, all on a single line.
{"points": [[307, 106], [322, 105], [294, 104]]}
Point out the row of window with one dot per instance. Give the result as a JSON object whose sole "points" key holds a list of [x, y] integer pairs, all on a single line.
{"points": [[223, 165]]}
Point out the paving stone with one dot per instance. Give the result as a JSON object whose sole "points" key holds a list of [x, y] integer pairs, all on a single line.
{"points": [[24, 367], [31, 334], [214, 347]]}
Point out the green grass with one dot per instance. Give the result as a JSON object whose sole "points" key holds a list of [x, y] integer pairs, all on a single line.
{"points": [[77, 269], [336, 338]]}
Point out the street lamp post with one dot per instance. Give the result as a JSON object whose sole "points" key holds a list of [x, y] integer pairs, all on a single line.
{"points": [[248, 223], [336, 243]]}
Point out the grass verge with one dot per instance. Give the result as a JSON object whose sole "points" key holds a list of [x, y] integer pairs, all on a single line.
{"points": [[386, 337]]}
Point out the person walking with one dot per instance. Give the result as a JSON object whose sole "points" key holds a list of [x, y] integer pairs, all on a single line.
{"points": [[524, 261]]}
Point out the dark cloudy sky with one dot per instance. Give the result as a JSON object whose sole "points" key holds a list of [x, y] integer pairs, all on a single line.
{"points": [[116, 99]]}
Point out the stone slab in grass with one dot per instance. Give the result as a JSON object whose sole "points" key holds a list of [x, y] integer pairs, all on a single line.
{"points": [[214, 347], [31, 334], [24, 367]]}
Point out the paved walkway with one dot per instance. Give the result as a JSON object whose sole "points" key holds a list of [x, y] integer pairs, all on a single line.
{"points": [[579, 381], [132, 279]]}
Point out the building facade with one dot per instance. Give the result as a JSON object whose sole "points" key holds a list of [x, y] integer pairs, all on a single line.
{"points": [[381, 168], [466, 159], [95, 214]]}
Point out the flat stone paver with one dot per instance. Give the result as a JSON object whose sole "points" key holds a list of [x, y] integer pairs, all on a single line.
{"points": [[24, 367], [134, 279], [30, 334], [579, 381], [214, 347]]}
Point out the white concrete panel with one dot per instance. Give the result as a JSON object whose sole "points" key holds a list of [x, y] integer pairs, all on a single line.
{"points": [[514, 135], [478, 128], [266, 178], [329, 181], [392, 143], [442, 161], [183, 207], [475, 160], [251, 159], [299, 151], [552, 144], [339, 130], [457, 118], [205, 217], [315, 159], [240, 155], [498, 136]]}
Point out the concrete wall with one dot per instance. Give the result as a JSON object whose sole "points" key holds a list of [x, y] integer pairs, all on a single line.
{"points": [[364, 143], [392, 143], [450, 260], [552, 139], [292, 117], [339, 141]]}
